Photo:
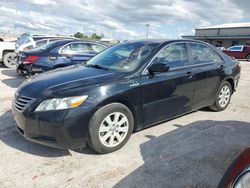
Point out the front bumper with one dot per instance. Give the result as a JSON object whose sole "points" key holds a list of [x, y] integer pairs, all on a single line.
{"points": [[66, 129]]}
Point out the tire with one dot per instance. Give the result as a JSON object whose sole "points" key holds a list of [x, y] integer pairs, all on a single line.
{"points": [[104, 131], [248, 57], [9, 60], [223, 97]]}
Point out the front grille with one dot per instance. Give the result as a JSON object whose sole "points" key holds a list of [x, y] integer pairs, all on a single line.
{"points": [[22, 103]]}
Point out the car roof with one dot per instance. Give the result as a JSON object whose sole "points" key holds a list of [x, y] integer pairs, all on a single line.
{"points": [[36, 38], [65, 41], [163, 41]]}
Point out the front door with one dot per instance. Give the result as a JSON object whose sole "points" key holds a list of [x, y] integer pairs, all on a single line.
{"points": [[165, 95]]}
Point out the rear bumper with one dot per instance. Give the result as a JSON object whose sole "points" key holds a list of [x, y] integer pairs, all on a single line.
{"points": [[66, 129], [30, 69]]}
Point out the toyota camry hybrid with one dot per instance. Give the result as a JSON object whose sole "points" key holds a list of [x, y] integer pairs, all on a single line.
{"points": [[123, 89]]}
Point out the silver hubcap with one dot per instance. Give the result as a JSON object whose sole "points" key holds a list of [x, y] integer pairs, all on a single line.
{"points": [[114, 129], [248, 58], [224, 96], [10, 60]]}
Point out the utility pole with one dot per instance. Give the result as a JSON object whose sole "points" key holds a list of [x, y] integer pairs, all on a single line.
{"points": [[146, 25]]}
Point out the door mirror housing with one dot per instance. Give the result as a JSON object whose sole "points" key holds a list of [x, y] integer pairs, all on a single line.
{"points": [[158, 67]]}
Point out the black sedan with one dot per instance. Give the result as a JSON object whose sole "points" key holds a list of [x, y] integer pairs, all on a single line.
{"points": [[60, 53], [123, 89]]}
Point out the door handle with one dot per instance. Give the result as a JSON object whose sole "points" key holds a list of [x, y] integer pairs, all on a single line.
{"points": [[189, 75], [52, 58]]}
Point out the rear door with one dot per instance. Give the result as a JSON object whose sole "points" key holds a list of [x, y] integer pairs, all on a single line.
{"points": [[208, 71], [165, 95], [76, 52]]}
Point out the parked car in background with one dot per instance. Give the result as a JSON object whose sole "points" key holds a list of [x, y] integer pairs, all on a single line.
{"points": [[29, 41], [238, 173], [7, 53], [221, 48], [125, 88], [60, 53], [239, 52]]}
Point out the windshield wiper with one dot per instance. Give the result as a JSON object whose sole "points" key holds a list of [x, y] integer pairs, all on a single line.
{"points": [[96, 66]]}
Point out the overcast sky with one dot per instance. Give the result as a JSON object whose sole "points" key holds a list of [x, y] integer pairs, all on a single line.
{"points": [[125, 19]]}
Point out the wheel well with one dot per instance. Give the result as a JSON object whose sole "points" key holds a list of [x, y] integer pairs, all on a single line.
{"points": [[231, 81], [129, 106], [6, 51], [59, 66]]}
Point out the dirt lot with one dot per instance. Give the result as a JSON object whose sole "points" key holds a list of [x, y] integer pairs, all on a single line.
{"points": [[191, 151]]}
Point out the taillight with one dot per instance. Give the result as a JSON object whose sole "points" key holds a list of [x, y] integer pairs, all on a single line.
{"points": [[30, 59], [25, 49], [239, 67]]}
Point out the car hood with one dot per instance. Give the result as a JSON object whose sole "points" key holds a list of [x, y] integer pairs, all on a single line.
{"points": [[64, 79]]}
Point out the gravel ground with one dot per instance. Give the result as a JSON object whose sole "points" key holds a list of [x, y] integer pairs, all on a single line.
{"points": [[191, 151]]}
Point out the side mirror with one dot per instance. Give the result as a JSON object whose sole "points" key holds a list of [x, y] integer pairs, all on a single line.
{"points": [[158, 67]]}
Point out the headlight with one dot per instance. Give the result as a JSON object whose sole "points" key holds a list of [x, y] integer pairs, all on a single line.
{"points": [[61, 103], [243, 181]]}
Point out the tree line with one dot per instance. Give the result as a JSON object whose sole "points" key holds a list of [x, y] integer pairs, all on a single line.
{"points": [[94, 36]]}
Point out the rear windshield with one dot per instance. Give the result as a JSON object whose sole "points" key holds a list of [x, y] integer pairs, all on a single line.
{"points": [[47, 46]]}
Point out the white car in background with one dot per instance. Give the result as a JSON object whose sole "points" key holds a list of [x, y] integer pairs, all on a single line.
{"points": [[7, 53], [29, 41]]}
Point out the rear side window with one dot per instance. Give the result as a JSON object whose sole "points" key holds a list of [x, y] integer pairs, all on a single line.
{"points": [[174, 56], [76, 48], [97, 48], [203, 54]]}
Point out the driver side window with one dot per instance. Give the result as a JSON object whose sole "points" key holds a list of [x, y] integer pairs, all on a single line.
{"points": [[174, 56]]}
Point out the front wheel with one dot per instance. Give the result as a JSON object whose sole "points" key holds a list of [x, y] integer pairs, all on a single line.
{"points": [[110, 128], [223, 97]]}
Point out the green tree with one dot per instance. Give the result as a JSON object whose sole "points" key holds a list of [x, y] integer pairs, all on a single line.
{"points": [[79, 35], [97, 37]]}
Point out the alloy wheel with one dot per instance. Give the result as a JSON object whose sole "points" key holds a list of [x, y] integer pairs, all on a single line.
{"points": [[113, 129], [224, 96]]}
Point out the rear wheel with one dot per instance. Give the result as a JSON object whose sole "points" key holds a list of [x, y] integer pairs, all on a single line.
{"points": [[223, 97], [110, 128], [9, 59], [248, 57]]}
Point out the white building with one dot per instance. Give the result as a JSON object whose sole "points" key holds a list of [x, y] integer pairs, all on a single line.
{"points": [[225, 35]]}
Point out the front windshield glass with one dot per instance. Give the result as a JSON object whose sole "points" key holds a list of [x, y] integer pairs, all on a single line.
{"points": [[123, 57]]}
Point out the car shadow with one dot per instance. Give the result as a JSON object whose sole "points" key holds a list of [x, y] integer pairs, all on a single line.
{"points": [[194, 155], [15, 80], [11, 137]]}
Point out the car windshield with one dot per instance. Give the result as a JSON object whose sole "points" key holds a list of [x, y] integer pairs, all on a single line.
{"points": [[123, 57]]}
